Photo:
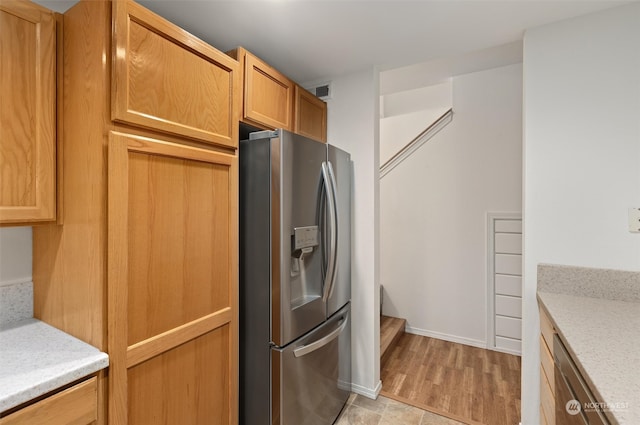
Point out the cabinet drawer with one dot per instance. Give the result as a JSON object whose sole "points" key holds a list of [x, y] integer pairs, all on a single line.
{"points": [[547, 330], [547, 401], [168, 80], [77, 405], [546, 361]]}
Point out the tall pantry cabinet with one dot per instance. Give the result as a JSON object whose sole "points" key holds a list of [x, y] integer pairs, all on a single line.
{"points": [[144, 265]]}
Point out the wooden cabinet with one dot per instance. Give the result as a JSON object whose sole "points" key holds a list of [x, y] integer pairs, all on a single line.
{"points": [[271, 100], [310, 115], [169, 81], [172, 292], [27, 113], [547, 382], [145, 265], [267, 94], [74, 406]]}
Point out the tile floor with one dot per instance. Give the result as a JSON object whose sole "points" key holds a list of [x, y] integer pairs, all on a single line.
{"points": [[385, 411]]}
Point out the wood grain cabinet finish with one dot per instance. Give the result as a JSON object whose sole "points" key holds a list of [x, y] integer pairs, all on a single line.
{"points": [[172, 291], [310, 115], [547, 381], [27, 113], [145, 265], [167, 80], [268, 94], [271, 100], [73, 406]]}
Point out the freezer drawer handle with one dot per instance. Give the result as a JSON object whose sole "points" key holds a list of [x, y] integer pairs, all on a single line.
{"points": [[306, 349]]}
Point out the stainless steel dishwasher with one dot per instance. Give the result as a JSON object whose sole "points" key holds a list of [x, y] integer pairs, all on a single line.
{"points": [[575, 403]]}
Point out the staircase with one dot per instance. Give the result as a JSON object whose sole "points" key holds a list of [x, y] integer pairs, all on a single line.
{"points": [[391, 329]]}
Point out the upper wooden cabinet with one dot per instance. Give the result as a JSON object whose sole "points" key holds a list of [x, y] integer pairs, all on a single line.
{"points": [[27, 113], [268, 94], [271, 100], [167, 80], [310, 115]]}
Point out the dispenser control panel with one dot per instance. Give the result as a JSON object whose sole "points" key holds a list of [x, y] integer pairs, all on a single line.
{"points": [[305, 237]]}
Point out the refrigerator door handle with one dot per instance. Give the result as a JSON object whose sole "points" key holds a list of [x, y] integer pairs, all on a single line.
{"points": [[327, 173], [316, 345], [334, 224]]}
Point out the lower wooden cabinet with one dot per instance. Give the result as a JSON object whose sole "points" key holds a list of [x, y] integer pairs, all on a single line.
{"points": [[77, 405], [547, 382]]}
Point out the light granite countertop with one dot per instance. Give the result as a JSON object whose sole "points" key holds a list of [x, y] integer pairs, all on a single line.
{"points": [[602, 335], [36, 358]]}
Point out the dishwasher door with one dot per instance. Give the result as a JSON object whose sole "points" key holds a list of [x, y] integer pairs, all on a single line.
{"points": [[315, 374], [572, 392]]}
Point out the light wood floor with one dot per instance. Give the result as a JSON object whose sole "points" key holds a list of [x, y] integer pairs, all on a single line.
{"points": [[469, 384]]}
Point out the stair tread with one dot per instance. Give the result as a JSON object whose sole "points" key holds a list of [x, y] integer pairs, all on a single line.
{"points": [[391, 328]]}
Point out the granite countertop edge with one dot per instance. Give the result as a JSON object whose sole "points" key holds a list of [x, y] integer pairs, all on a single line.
{"points": [[602, 356], [37, 358]]}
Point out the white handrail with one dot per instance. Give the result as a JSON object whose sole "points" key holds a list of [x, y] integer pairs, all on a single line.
{"points": [[413, 145]]}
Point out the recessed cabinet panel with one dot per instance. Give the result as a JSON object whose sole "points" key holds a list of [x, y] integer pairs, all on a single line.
{"points": [[268, 95], [178, 242], [186, 385], [310, 115], [27, 113], [170, 81]]}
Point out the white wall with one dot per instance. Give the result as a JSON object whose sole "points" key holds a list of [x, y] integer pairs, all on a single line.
{"points": [[433, 209], [404, 115], [353, 126], [582, 156], [15, 255]]}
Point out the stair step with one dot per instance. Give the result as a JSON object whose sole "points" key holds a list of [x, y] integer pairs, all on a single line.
{"points": [[391, 329]]}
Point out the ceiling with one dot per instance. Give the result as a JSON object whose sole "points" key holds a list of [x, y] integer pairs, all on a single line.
{"points": [[314, 40]]}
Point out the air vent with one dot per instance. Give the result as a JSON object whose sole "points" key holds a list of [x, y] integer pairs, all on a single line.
{"points": [[323, 90]]}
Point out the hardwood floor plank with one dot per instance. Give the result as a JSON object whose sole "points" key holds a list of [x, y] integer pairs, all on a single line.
{"points": [[462, 382]]}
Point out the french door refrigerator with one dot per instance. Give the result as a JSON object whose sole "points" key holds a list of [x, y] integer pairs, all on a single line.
{"points": [[295, 284]]}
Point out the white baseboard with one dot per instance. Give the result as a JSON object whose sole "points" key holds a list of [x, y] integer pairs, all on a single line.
{"points": [[447, 337], [371, 393]]}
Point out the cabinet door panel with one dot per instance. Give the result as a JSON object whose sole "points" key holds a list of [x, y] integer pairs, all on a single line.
{"points": [[268, 95], [27, 112], [185, 385], [310, 115], [178, 242], [172, 281], [168, 80]]}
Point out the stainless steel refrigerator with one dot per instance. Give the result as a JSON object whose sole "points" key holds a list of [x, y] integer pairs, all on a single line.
{"points": [[295, 280]]}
